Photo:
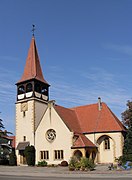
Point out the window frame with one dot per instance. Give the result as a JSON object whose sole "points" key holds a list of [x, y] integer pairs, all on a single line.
{"points": [[107, 143], [58, 154], [44, 155]]}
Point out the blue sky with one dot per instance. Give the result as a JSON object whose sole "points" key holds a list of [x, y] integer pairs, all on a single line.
{"points": [[85, 49]]}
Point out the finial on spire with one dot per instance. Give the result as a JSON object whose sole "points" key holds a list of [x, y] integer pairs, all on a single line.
{"points": [[33, 29]]}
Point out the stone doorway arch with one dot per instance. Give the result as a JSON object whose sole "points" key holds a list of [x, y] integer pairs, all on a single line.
{"points": [[78, 154], [105, 149]]}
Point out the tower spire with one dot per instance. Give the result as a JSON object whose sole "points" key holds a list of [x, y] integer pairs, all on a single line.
{"points": [[32, 68], [32, 82]]}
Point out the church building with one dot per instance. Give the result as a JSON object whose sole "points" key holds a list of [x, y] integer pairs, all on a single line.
{"points": [[56, 132]]}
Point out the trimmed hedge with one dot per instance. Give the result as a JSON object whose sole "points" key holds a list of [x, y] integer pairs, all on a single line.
{"points": [[30, 155]]}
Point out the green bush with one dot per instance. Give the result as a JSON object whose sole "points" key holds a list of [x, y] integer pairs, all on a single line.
{"points": [[13, 158], [42, 163], [83, 163], [123, 159], [30, 155], [73, 161], [87, 163], [4, 162]]}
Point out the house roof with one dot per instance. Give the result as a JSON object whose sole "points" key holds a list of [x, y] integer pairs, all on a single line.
{"points": [[13, 143], [69, 117], [82, 141], [22, 145], [92, 119], [32, 68], [89, 119]]}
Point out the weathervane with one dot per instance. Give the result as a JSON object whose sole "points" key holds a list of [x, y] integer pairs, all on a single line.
{"points": [[33, 29]]}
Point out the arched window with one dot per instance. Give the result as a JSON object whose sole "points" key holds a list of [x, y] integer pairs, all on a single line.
{"points": [[37, 88], [29, 87], [21, 89], [106, 143]]}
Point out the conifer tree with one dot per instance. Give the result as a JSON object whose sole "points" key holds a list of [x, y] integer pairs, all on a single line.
{"points": [[127, 119]]}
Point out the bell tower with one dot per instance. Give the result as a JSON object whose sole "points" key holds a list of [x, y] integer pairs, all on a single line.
{"points": [[31, 102], [32, 82]]}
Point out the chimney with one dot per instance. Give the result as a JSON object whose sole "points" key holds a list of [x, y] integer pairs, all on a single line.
{"points": [[99, 104]]}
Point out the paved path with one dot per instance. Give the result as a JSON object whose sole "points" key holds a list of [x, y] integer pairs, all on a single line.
{"points": [[100, 172]]}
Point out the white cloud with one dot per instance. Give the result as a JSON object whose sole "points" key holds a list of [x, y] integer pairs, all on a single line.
{"points": [[119, 48], [99, 83]]}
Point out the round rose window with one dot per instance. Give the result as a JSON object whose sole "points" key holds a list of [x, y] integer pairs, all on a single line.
{"points": [[50, 135]]}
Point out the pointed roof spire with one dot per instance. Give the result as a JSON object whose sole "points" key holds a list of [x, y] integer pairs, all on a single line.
{"points": [[32, 68]]}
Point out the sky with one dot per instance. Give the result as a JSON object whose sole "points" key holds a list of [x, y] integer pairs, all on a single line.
{"points": [[85, 50]]}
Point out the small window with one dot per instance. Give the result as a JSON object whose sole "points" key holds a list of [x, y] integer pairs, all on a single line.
{"points": [[58, 154], [106, 143], [44, 155], [24, 113], [24, 138]]}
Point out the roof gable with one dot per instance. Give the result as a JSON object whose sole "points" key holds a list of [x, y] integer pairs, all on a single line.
{"points": [[82, 141], [89, 119], [92, 119]]}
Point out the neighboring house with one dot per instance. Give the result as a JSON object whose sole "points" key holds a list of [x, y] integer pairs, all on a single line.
{"points": [[57, 132], [6, 145]]}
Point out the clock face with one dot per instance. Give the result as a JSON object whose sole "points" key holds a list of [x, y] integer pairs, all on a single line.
{"points": [[24, 106], [50, 135]]}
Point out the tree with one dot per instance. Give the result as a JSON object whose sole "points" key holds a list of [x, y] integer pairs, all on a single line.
{"points": [[127, 120], [127, 114], [30, 155], [13, 158], [1, 127], [3, 132], [5, 148]]}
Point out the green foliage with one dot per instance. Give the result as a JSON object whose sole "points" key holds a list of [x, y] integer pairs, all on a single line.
{"points": [[83, 164], [73, 161], [127, 119], [4, 161], [123, 159], [30, 155], [1, 125], [127, 114], [13, 158], [128, 142], [42, 163], [87, 163]]}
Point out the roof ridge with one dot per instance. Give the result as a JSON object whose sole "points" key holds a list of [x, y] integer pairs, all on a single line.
{"points": [[78, 119], [81, 106]]}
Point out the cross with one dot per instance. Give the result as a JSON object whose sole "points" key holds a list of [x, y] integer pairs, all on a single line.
{"points": [[33, 29]]}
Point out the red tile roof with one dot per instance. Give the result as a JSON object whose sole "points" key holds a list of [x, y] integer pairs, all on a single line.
{"points": [[13, 143], [88, 119], [82, 141], [69, 117], [32, 68], [93, 120]]}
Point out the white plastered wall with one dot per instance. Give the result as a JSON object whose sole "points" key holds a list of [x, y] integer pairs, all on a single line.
{"points": [[25, 125], [116, 145], [63, 140]]}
